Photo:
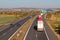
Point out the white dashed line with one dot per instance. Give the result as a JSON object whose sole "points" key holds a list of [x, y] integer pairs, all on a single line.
{"points": [[36, 35]]}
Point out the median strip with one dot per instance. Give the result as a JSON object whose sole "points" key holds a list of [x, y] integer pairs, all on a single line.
{"points": [[20, 33]]}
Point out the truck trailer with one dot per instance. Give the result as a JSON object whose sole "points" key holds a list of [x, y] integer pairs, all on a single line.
{"points": [[40, 24]]}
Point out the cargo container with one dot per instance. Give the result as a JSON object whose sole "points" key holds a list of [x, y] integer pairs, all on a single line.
{"points": [[40, 24]]}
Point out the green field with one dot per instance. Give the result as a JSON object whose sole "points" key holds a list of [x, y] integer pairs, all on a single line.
{"points": [[3, 19], [7, 19]]}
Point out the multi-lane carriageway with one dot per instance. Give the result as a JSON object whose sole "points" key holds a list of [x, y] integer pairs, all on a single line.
{"points": [[6, 33], [32, 33]]}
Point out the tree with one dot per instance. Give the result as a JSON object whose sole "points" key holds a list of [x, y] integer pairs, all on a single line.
{"points": [[58, 29], [48, 15]]}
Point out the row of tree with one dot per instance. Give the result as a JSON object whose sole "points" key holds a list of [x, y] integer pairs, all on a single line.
{"points": [[18, 12]]}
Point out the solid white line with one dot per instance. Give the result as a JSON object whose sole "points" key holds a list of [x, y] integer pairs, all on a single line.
{"points": [[17, 30], [27, 31], [46, 33], [36, 35]]}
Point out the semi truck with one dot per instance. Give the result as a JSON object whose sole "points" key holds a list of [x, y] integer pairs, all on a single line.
{"points": [[40, 24]]}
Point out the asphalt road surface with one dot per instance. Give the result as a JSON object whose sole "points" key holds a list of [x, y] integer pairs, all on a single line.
{"points": [[47, 34], [33, 34], [6, 33]]}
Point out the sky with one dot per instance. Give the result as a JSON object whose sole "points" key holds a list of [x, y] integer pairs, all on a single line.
{"points": [[30, 3]]}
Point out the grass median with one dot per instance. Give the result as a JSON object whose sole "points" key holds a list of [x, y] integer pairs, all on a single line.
{"points": [[21, 32]]}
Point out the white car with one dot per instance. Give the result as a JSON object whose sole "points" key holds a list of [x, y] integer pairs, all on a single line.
{"points": [[41, 14]]}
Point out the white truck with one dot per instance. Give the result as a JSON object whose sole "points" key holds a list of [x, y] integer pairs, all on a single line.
{"points": [[40, 25]]}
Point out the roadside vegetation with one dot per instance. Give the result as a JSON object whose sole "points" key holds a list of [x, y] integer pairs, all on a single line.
{"points": [[23, 30], [53, 19], [7, 17]]}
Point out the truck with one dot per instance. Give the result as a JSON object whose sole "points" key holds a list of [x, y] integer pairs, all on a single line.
{"points": [[40, 24]]}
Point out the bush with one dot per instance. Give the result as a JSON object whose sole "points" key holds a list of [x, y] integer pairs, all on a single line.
{"points": [[48, 15], [58, 29]]}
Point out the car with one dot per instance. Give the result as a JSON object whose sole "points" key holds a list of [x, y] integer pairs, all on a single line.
{"points": [[41, 14]]}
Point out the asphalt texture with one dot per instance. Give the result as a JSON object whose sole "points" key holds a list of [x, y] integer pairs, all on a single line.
{"points": [[47, 34], [6, 33], [33, 34], [49, 31]]}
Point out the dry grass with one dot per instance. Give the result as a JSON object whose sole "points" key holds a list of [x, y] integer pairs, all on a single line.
{"points": [[53, 23], [21, 33], [7, 19]]}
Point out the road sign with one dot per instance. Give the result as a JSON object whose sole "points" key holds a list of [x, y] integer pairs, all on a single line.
{"points": [[43, 11]]}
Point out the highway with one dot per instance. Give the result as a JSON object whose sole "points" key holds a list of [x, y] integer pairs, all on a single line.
{"points": [[6, 33], [47, 34], [33, 34]]}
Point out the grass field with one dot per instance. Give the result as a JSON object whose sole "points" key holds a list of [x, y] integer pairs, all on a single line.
{"points": [[54, 24], [8, 17], [23, 30], [5, 20]]}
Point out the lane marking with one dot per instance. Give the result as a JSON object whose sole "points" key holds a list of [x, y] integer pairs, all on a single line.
{"points": [[18, 29], [1, 29], [46, 33], [28, 30], [36, 35]]}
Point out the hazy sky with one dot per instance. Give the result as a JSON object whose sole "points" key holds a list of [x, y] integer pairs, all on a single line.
{"points": [[30, 3]]}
